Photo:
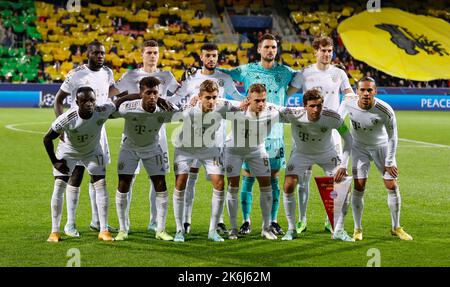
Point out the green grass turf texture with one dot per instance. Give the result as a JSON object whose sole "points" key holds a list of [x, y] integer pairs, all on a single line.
{"points": [[27, 184]]}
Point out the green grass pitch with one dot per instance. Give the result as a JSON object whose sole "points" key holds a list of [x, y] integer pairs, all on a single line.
{"points": [[27, 184]]}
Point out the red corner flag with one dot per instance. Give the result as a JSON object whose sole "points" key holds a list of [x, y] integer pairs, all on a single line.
{"points": [[333, 195]]}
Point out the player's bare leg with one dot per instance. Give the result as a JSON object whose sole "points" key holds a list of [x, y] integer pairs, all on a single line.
{"points": [[290, 182]]}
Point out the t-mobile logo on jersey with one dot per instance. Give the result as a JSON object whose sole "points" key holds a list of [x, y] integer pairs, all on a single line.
{"points": [[374, 6], [73, 6]]}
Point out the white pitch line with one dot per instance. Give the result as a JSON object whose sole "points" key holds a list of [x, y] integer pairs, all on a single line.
{"points": [[13, 127], [424, 143]]}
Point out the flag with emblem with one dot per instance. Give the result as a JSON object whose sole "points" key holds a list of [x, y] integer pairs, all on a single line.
{"points": [[333, 195]]}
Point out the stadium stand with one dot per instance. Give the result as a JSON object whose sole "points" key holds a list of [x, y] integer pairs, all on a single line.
{"points": [[43, 41]]}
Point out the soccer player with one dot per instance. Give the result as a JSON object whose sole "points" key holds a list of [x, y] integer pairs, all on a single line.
{"points": [[246, 143], [140, 142], [330, 80], [311, 130], [201, 139], [374, 130], [169, 85], [81, 126], [276, 78], [100, 78], [209, 56]]}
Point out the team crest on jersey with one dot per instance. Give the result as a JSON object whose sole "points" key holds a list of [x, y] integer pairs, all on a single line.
{"points": [[160, 120], [324, 129], [335, 78], [229, 168], [121, 165], [374, 121], [134, 119], [100, 109], [221, 82], [277, 78], [290, 167]]}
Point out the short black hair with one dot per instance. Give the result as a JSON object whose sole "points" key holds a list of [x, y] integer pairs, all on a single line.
{"points": [[84, 90], [209, 47], [311, 95], [367, 79], [149, 82], [94, 43]]}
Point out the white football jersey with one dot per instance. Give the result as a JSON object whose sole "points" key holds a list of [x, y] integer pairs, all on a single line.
{"points": [[100, 81], [330, 82], [130, 81], [141, 130], [201, 131], [191, 87], [248, 131], [311, 137], [82, 136], [374, 127]]}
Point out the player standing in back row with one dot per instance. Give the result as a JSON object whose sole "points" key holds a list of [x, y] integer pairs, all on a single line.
{"points": [[374, 131]]}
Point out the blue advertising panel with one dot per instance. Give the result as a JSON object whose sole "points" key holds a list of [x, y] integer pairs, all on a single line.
{"points": [[20, 98]]}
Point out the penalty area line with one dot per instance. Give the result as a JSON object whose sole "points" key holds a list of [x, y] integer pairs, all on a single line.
{"points": [[423, 143]]}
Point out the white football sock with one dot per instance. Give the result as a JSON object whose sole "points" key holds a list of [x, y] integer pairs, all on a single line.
{"points": [[289, 208], [265, 201], [216, 208], [357, 207], [129, 197], [121, 208], [162, 206], [56, 204], [394, 203], [72, 197], [232, 204], [102, 199], [92, 197], [339, 222], [303, 194], [189, 197], [152, 199], [178, 208]]}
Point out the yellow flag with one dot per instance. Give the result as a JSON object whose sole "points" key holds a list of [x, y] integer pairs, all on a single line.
{"points": [[400, 44]]}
